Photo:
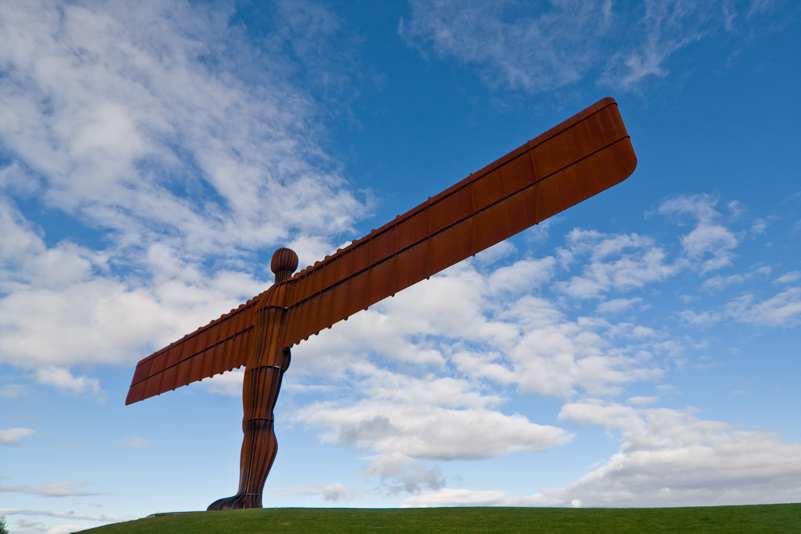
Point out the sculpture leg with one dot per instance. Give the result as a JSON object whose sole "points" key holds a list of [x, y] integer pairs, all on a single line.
{"points": [[259, 447]]}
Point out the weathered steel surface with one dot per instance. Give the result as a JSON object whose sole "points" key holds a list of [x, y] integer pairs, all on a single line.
{"points": [[266, 365], [567, 164]]}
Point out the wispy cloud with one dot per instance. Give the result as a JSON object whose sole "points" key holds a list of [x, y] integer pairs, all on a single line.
{"points": [[701, 319], [532, 52], [64, 488], [710, 244], [618, 305], [144, 133], [66, 515], [665, 28], [788, 278], [12, 391], [720, 282], [782, 309], [335, 492], [134, 443], [537, 47], [13, 436]]}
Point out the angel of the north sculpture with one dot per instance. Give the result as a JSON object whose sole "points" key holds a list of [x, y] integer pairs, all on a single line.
{"points": [[567, 164]]}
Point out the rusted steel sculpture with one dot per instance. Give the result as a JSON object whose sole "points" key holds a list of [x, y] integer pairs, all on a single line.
{"points": [[567, 164]]}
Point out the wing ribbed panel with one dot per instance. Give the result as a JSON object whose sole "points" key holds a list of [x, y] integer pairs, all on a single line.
{"points": [[220, 346], [567, 164]]}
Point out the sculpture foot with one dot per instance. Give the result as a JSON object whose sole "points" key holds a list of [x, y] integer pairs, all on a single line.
{"points": [[237, 502]]}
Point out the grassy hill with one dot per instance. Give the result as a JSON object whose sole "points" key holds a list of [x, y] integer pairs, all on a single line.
{"points": [[773, 519]]}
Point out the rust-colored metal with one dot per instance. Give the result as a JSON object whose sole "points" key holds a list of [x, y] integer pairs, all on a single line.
{"points": [[569, 163]]}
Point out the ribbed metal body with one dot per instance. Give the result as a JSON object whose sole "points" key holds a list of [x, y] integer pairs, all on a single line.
{"points": [[569, 163]]}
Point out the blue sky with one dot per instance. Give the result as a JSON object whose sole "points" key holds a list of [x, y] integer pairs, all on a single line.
{"points": [[639, 349]]}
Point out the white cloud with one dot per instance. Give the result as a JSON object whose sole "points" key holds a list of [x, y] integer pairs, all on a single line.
{"points": [[489, 327], [63, 488], [709, 245], [62, 379], [26, 259], [640, 400], [667, 458], [783, 309], [12, 391], [401, 473], [532, 52], [426, 418], [522, 275], [788, 278], [62, 306], [617, 262], [27, 526], [408, 421], [417, 374], [706, 318], [66, 515], [537, 48], [617, 305], [758, 227], [336, 492], [134, 443], [447, 497], [558, 357], [713, 239], [485, 366], [13, 436], [105, 320], [666, 27], [671, 458], [115, 113], [758, 6], [719, 282], [228, 383]]}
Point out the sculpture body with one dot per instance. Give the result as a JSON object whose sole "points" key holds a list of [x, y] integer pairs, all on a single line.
{"points": [[266, 365], [569, 163]]}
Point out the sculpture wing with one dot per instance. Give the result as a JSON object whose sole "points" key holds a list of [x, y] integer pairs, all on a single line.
{"points": [[220, 346], [567, 164]]}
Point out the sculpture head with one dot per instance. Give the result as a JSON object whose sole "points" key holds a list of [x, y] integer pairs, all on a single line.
{"points": [[284, 263]]}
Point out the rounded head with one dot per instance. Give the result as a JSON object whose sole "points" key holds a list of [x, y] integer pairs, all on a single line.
{"points": [[284, 263]]}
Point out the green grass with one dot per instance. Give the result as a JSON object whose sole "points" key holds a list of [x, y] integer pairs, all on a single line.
{"points": [[776, 518]]}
